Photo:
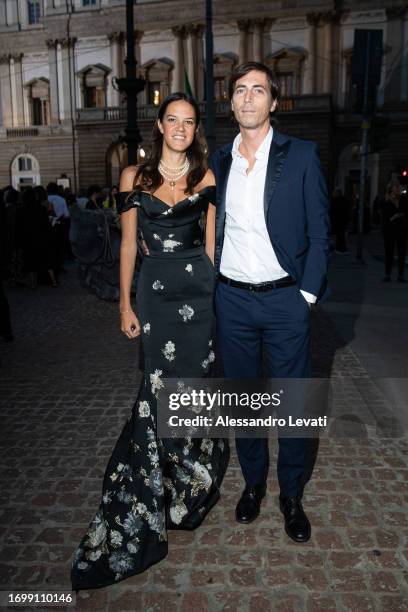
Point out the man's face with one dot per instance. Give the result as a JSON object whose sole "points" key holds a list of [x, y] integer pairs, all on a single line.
{"points": [[252, 100]]}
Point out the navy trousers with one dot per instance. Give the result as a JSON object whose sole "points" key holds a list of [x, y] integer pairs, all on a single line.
{"points": [[279, 322]]}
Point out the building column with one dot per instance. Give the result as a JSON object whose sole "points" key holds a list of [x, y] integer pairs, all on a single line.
{"points": [[200, 84], [191, 56], [5, 98], [243, 27], [177, 84], [394, 57], [258, 27], [116, 57], [17, 98], [67, 85], [138, 35], [327, 53], [309, 83], [53, 71]]}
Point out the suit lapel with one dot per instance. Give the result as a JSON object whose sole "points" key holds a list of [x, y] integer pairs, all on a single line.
{"points": [[277, 155], [225, 167]]}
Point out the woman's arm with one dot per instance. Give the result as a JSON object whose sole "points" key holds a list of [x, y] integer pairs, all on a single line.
{"points": [[210, 232], [209, 181], [129, 322]]}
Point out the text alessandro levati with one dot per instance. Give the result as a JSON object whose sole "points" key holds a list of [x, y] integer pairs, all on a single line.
{"points": [[227, 421], [254, 401]]}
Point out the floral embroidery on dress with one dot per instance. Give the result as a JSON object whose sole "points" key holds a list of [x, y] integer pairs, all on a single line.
{"points": [[144, 409], [189, 269], [146, 328], [168, 244], [193, 198], [208, 360], [187, 312], [169, 350], [156, 381], [157, 285]]}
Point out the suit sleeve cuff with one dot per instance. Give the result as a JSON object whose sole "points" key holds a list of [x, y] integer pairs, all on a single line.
{"points": [[309, 297]]}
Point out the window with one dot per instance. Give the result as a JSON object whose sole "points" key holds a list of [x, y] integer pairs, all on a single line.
{"points": [[34, 12], [154, 93], [287, 84], [88, 2], [220, 89], [24, 164], [39, 111], [94, 97]]}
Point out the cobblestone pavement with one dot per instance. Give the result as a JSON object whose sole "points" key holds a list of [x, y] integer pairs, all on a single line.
{"points": [[67, 385]]}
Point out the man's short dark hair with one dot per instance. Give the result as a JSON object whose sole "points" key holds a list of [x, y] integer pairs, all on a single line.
{"points": [[247, 67], [52, 188]]}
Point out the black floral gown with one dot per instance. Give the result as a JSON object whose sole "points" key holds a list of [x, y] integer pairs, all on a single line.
{"points": [[153, 484]]}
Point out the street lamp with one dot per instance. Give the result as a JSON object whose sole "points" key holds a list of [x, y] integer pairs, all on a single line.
{"points": [[131, 86]]}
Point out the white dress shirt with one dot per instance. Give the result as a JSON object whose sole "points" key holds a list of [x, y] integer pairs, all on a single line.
{"points": [[248, 255]]}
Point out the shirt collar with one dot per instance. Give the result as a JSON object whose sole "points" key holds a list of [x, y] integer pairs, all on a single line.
{"points": [[263, 149]]}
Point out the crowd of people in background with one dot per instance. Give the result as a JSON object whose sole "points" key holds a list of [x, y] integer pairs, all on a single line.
{"points": [[35, 224], [34, 235]]}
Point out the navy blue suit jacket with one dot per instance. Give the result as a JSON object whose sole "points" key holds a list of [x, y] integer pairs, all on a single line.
{"points": [[296, 209]]}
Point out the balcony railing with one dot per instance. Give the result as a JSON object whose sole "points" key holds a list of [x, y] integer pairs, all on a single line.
{"points": [[25, 132], [148, 112]]}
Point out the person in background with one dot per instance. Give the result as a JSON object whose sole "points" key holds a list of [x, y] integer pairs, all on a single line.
{"points": [[394, 212], [94, 194], [40, 195], [13, 244], [5, 322], [36, 239], [81, 199], [110, 201], [62, 223]]}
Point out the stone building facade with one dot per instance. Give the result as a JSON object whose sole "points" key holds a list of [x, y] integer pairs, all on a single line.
{"points": [[61, 111]]}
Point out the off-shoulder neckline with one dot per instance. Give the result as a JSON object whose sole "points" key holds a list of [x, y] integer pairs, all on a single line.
{"points": [[180, 201]]}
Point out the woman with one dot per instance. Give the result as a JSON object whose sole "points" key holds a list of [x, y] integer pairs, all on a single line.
{"points": [[37, 239], [154, 483], [395, 225], [51, 236]]}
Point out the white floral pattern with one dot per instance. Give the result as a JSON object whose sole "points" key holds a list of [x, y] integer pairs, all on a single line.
{"points": [[187, 312], [157, 285], [210, 359], [168, 244], [146, 328], [156, 381], [144, 409], [189, 269], [169, 350]]}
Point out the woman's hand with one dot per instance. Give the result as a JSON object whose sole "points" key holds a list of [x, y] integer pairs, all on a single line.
{"points": [[130, 324]]}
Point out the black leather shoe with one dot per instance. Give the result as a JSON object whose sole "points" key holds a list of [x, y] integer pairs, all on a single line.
{"points": [[297, 524], [250, 503]]}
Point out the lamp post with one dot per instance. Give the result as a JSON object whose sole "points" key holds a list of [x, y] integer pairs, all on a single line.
{"points": [[131, 85]]}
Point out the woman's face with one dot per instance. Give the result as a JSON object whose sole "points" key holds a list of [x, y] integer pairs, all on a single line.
{"points": [[178, 126]]}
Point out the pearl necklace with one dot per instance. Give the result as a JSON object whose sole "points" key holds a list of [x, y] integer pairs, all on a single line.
{"points": [[172, 175]]}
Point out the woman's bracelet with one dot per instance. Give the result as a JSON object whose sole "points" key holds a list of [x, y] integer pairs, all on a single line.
{"points": [[124, 311]]}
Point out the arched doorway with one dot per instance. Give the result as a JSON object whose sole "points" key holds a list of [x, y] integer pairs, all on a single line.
{"points": [[25, 171]]}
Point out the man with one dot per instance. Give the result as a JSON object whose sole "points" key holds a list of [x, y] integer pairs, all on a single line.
{"points": [[271, 255], [61, 224]]}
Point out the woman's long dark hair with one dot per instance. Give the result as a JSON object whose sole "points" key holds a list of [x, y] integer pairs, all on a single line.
{"points": [[148, 177]]}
